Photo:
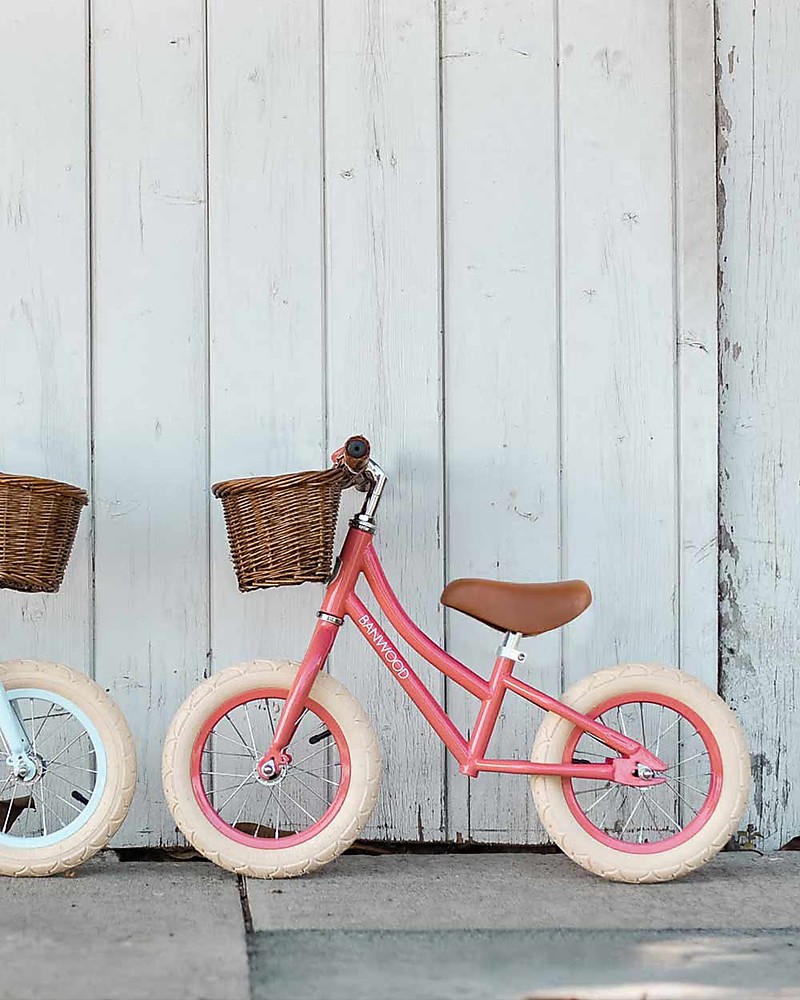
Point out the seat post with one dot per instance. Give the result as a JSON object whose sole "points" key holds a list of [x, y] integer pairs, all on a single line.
{"points": [[508, 648]]}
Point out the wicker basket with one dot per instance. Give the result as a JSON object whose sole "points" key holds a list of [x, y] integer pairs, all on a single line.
{"points": [[281, 529], [38, 522]]}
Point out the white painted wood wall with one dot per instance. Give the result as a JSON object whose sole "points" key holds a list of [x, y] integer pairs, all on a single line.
{"points": [[759, 144], [482, 232]]}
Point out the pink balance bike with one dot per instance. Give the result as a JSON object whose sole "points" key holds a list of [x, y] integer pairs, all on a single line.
{"points": [[272, 769]]}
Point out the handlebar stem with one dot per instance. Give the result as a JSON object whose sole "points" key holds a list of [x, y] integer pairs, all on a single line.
{"points": [[365, 520]]}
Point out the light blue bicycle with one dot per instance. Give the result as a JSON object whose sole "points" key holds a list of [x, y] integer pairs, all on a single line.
{"points": [[68, 770]]}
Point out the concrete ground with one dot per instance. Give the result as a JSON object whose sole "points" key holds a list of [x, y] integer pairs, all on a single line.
{"points": [[396, 927]]}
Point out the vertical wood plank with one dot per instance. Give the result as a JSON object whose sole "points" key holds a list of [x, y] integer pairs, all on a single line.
{"points": [[44, 331], [266, 308], [759, 118], [381, 126], [150, 368], [502, 359], [619, 423], [694, 105]]}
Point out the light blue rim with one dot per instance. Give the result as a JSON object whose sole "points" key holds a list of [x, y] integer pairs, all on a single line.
{"points": [[29, 843]]}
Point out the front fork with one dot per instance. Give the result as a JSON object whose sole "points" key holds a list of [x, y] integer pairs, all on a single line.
{"points": [[20, 752], [322, 640]]}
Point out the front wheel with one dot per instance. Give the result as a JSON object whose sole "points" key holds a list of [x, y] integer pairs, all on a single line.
{"points": [[656, 833], [288, 825]]}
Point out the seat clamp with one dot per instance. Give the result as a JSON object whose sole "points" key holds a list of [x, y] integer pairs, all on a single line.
{"points": [[510, 652], [333, 619]]}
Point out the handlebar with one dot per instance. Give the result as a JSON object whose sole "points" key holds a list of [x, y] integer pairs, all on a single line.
{"points": [[369, 477], [354, 454]]}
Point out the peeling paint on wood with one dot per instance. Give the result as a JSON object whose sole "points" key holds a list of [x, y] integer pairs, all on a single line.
{"points": [[758, 126]]}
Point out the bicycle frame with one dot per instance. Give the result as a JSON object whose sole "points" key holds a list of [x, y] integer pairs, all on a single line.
{"points": [[358, 557]]}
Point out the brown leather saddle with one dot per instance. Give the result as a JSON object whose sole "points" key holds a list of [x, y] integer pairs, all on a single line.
{"points": [[529, 608]]}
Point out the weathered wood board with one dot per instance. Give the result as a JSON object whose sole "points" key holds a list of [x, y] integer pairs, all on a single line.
{"points": [[44, 304], [759, 119], [150, 374], [502, 359], [384, 350]]}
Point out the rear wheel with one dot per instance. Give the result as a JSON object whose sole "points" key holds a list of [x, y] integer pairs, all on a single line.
{"points": [[291, 824], [658, 832], [85, 775]]}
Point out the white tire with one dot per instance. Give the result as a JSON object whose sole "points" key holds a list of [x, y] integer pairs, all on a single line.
{"points": [[617, 864], [120, 769], [270, 861]]}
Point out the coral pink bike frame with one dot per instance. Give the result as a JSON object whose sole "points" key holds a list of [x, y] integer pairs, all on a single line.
{"points": [[359, 557]]}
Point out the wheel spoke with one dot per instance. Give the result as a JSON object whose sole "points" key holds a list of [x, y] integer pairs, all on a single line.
{"points": [[250, 777], [319, 777], [683, 800], [72, 767], [252, 749], [249, 725], [41, 725], [69, 783], [650, 813], [683, 781], [251, 755], [668, 730], [681, 763], [658, 730], [296, 803], [61, 823], [10, 805], [280, 810], [598, 801], [630, 818], [243, 806], [78, 809], [221, 774], [269, 716], [308, 787], [63, 750], [320, 750], [662, 810], [264, 810], [592, 791]]}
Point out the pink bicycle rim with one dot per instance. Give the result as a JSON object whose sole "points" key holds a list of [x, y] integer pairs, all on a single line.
{"points": [[267, 843], [704, 813]]}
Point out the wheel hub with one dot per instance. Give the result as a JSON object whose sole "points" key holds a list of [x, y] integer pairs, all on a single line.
{"points": [[27, 767]]}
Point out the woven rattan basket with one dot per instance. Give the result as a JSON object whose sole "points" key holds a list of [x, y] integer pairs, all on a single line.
{"points": [[281, 529], [38, 521]]}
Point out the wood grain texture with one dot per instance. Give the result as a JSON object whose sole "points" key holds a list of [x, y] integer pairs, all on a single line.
{"points": [[383, 335], [150, 369], [502, 363], [44, 328], [694, 185], [620, 502], [267, 401], [759, 117]]}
